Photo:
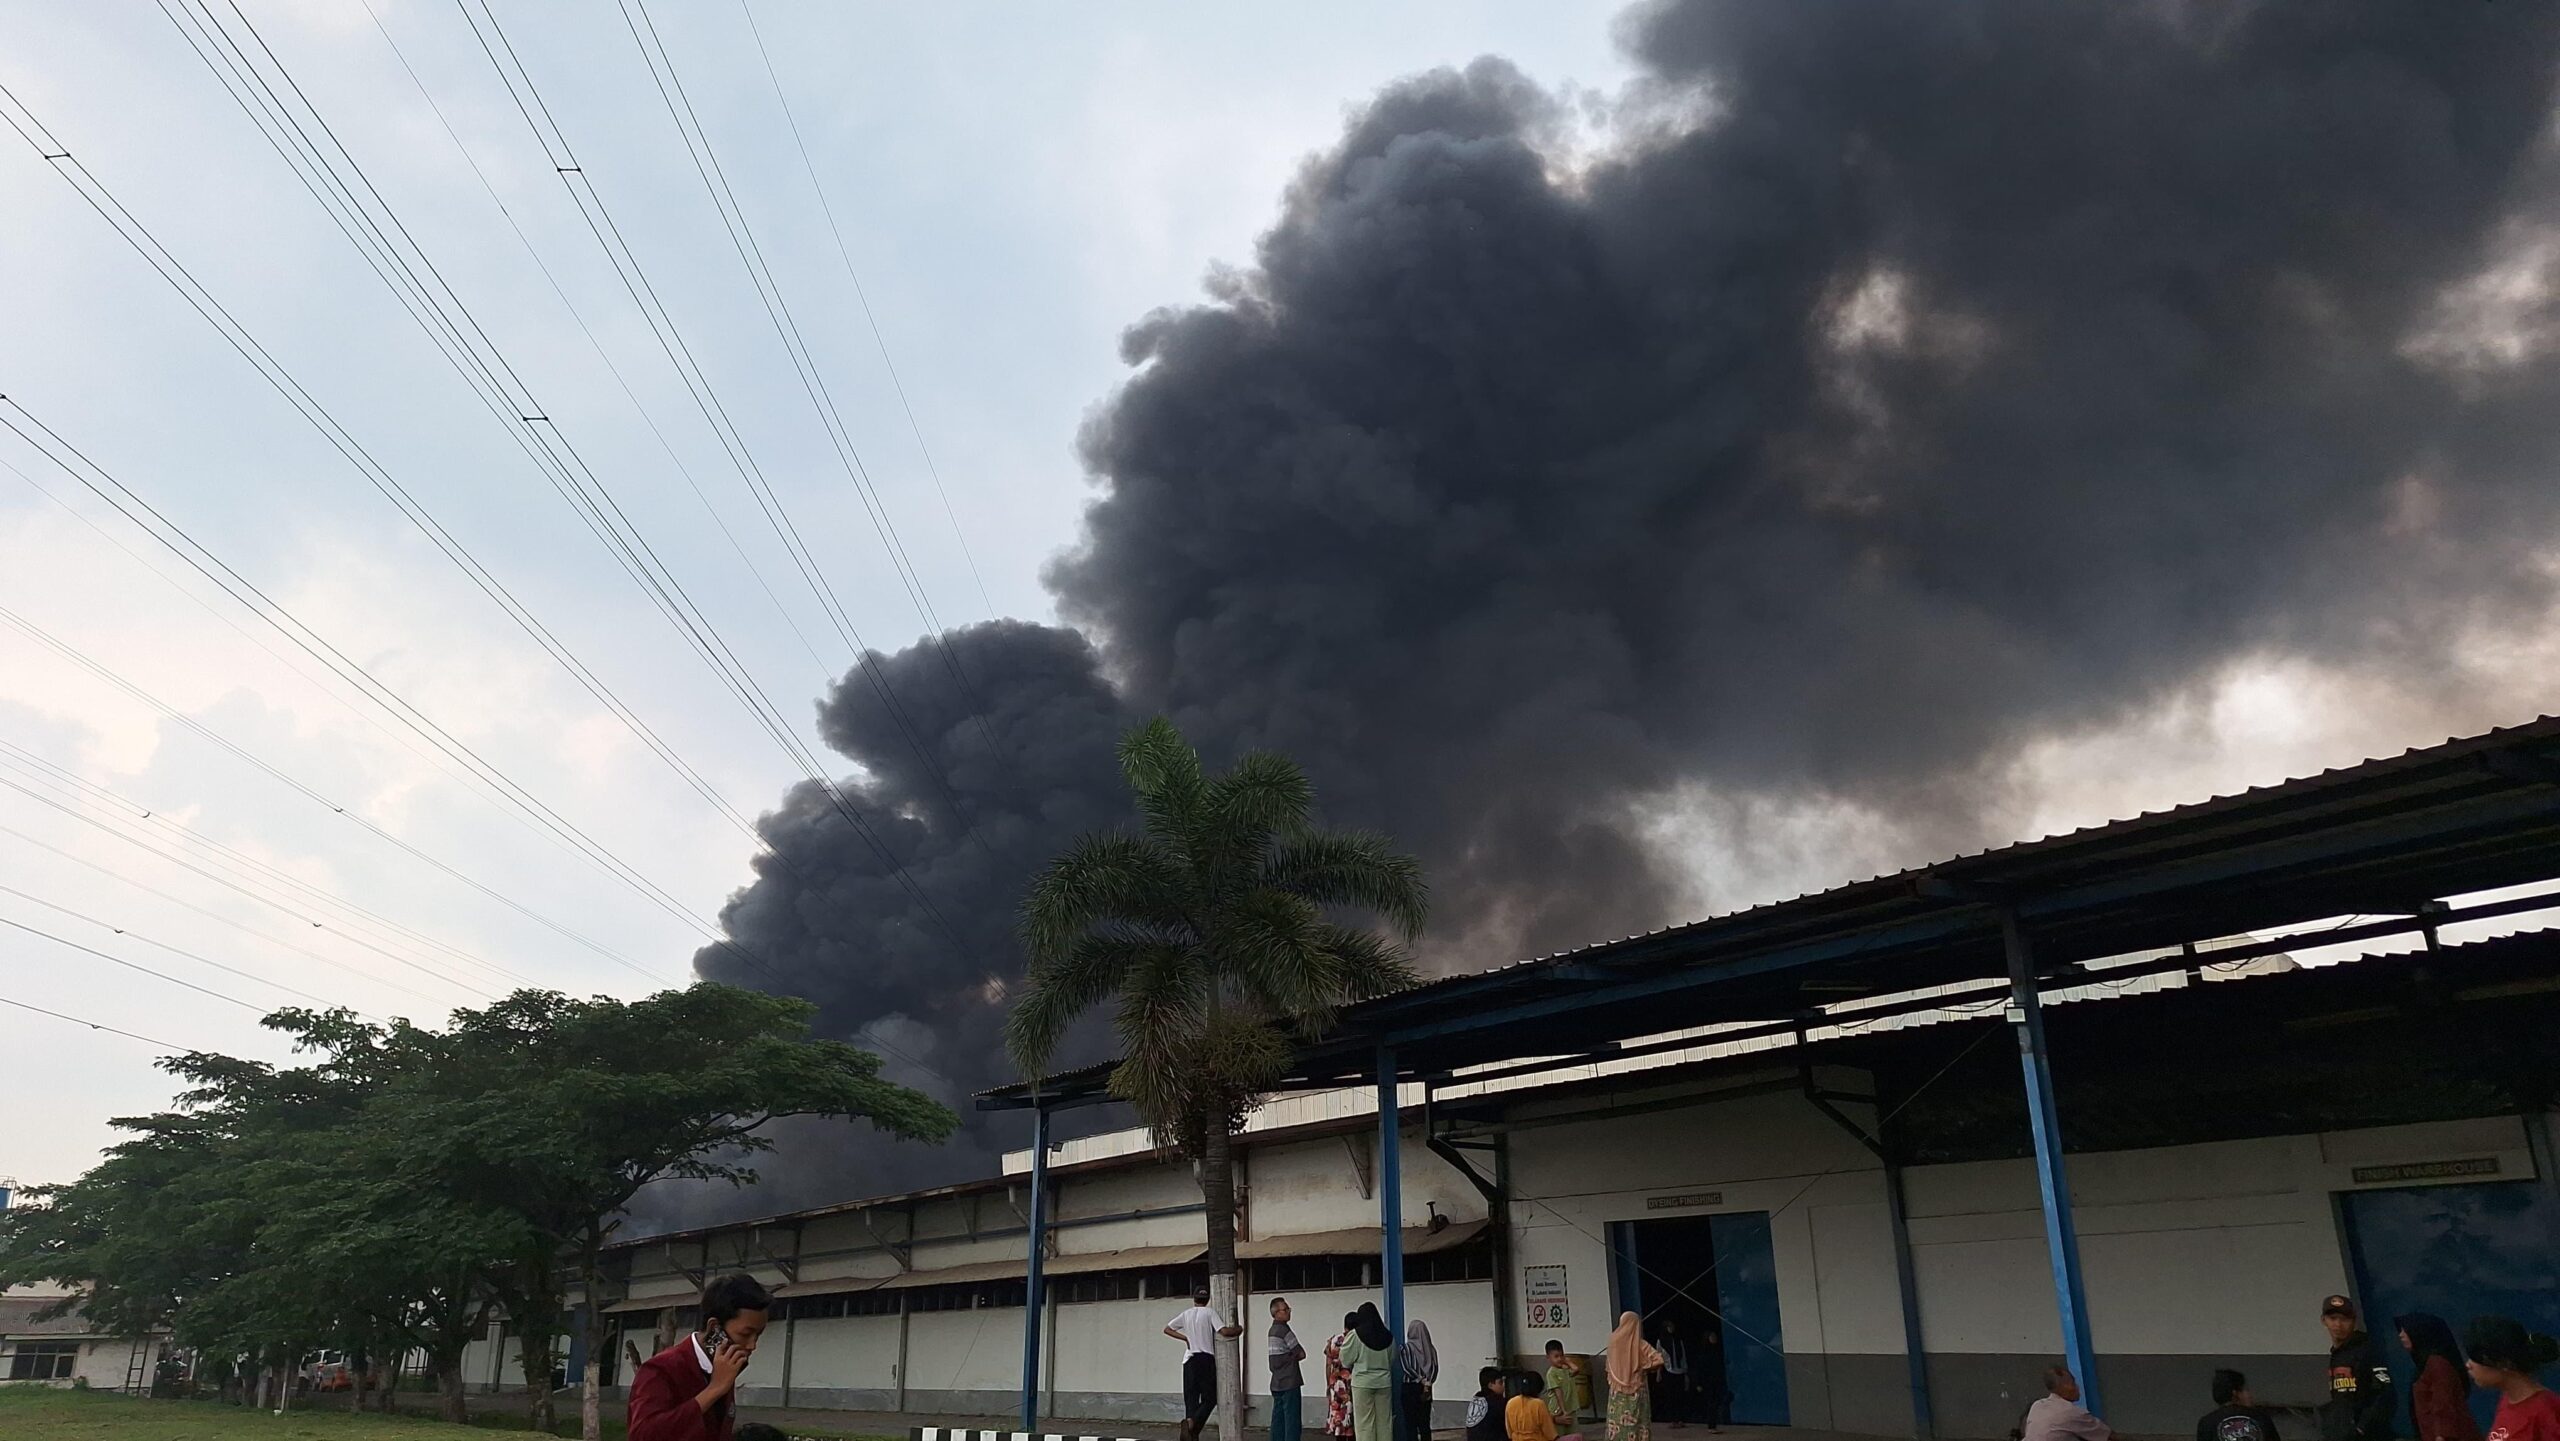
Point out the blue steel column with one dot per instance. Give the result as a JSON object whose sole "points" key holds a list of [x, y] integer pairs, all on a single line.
{"points": [[1391, 1218], [2044, 1120], [1031, 1298]]}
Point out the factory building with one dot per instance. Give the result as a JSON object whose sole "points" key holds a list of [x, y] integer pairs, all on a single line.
{"points": [[2139, 1097]]}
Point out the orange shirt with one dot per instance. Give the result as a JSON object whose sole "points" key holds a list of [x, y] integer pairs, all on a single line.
{"points": [[1526, 1418]]}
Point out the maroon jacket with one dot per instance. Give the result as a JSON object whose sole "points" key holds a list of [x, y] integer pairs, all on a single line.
{"points": [[662, 1393], [2436, 1403]]}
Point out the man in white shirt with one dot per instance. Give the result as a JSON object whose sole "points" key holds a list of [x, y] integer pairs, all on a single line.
{"points": [[2058, 1414], [1198, 1329]]}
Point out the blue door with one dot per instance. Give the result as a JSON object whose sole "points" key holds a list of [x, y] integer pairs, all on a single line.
{"points": [[2458, 1252], [1626, 1278], [1755, 1357]]}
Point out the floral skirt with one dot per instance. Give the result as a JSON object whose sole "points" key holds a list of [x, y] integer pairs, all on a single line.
{"points": [[1630, 1416]]}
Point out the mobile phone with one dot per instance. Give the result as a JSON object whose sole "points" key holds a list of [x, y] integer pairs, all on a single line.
{"points": [[714, 1339]]}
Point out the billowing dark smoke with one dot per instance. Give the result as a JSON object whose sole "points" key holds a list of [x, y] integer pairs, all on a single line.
{"points": [[1898, 384]]}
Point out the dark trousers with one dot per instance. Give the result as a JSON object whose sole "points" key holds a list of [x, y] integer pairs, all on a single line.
{"points": [[1199, 1387], [1415, 1423]]}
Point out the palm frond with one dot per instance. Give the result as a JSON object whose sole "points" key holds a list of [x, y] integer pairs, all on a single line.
{"points": [[1372, 965], [1272, 946], [1164, 771], [1062, 986], [1099, 880], [1263, 797], [1352, 868], [1164, 1006]]}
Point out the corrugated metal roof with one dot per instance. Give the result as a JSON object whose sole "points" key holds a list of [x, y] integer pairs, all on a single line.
{"points": [[2469, 814], [664, 1301], [19, 1317]]}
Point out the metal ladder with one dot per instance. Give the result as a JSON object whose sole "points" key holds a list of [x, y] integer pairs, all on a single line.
{"points": [[137, 1369]]}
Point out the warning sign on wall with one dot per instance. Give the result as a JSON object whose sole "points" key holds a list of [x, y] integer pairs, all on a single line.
{"points": [[1543, 1288]]}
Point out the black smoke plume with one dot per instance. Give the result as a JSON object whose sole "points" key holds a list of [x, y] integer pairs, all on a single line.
{"points": [[1888, 387]]}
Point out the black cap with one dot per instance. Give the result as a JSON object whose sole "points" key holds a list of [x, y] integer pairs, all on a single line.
{"points": [[2338, 1306]]}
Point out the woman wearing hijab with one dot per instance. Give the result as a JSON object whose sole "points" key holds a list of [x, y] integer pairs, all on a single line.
{"points": [[1369, 1354], [1421, 1368], [2439, 1391], [1337, 1382], [1632, 1362]]}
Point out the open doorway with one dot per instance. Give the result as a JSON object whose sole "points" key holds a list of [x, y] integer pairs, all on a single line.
{"points": [[1707, 1288], [2456, 1252]]}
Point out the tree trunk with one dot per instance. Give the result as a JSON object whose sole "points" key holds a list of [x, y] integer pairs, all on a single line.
{"points": [[454, 1405], [534, 1351], [259, 1402], [590, 1333], [539, 1332], [1218, 1194]]}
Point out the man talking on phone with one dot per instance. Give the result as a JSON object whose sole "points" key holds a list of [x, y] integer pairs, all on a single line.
{"points": [[689, 1391]]}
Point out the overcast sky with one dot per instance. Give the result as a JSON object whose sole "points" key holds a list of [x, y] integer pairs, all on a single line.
{"points": [[1016, 184]]}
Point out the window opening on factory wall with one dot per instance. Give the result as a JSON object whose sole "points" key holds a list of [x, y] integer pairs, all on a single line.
{"points": [[44, 1360], [968, 1296], [1162, 1281], [1278, 1274], [828, 1308]]}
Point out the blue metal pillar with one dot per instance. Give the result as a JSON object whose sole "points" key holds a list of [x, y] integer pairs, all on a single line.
{"points": [[1915, 1349], [1031, 1297], [2044, 1120], [1391, 1218]]}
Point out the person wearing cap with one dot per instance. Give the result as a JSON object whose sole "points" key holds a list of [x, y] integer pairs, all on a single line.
{"points": [[1198, 1329], [2360, 1401]]}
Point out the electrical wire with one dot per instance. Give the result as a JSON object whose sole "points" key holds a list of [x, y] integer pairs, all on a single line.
{"points": [[108, 207], [293, 991], [93, 1025], [445, 976], [130, 965], [640, 561], [516, 410], [27, 762], [82, 659], [707, 165], [843, 253], [563, 159]]}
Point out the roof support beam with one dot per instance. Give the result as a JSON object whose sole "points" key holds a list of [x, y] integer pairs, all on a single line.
{"points": [[2044, 1121]]}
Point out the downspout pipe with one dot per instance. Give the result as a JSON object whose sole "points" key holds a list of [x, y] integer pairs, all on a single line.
{"points": [[1915, 1351], [1496, 1191]]}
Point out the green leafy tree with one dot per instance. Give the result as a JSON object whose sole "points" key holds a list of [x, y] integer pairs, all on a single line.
{"points": [[559, 1110], [1211, 934], [386, 1195]]}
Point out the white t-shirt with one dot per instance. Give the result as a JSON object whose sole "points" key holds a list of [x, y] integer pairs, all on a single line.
{"points": [[1199, 1327], [2054, 1419]]}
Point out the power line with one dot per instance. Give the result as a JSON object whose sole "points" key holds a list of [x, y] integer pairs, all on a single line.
{"points": [[878, 339], [139, 237], [644, 295], [80, 658], [129, 965], [27, 762], [516, 410], [444, 976], [165, 946], [639, 560], [753, 570], [93, 1025], [742, 237], [406, 739]]}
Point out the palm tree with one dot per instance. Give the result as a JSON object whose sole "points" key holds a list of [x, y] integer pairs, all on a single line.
{"points": [[1213, 935]]}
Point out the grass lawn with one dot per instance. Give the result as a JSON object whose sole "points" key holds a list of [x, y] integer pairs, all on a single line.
{"points": [[43, 1414], [29, 1413]]}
